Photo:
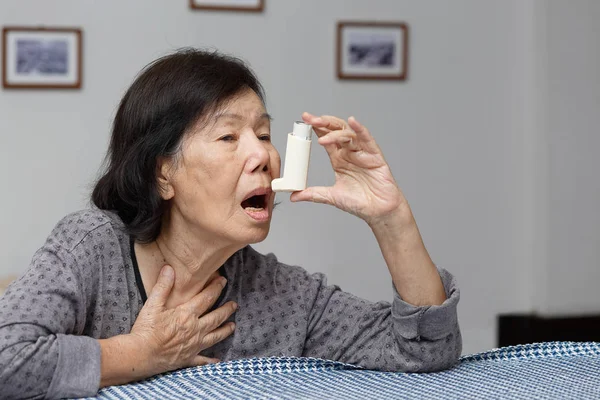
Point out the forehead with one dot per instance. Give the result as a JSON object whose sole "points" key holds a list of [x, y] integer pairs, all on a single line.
{"points": [[243, 107]]}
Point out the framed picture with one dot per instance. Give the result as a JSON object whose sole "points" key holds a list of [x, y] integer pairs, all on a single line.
{"points": [[228, 5], [372, 50], [41, 58]]}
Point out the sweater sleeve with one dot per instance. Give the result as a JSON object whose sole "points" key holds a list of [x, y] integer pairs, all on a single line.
{"points": [[42, 315], [383, 336]]}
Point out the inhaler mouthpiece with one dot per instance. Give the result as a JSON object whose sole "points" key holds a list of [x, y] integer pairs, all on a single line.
{"points": [[297, 157]]}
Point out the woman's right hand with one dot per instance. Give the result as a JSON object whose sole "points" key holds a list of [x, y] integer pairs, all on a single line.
{"points": [[173, 338]]}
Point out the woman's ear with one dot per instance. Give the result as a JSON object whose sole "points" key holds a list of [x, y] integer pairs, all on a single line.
{"points": [[164, 174]]}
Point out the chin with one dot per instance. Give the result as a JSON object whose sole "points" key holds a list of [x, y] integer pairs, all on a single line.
{"points": [[254, 226], [261, 235], [251, 235]]}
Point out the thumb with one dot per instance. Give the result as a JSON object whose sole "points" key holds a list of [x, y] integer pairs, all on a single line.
{"points": [[316, 194], [162, 288]]}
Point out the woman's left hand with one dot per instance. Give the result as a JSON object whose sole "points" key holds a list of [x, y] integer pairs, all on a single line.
{"points": [[364, 185]]}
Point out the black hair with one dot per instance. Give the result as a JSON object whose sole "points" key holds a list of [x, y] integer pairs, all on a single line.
{"points": [[167, 98]]}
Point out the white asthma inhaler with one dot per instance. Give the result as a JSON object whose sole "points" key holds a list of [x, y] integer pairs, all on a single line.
{"points": [[297, 157]]}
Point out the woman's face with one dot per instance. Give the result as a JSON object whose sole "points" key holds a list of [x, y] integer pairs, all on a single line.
{"points": [[220, 185]]}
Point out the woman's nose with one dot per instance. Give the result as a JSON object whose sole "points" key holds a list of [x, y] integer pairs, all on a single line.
{"points": [[258, 155]]}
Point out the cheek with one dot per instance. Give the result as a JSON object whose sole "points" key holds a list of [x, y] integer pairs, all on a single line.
{"points": [[202, 179], [213, 167]]}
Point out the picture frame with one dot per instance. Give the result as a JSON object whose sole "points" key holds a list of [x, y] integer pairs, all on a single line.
{"points": [[228, 5], [372, 50], [41, 58]]}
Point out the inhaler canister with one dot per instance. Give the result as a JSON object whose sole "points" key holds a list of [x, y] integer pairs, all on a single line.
{"points": [[297, 157]]}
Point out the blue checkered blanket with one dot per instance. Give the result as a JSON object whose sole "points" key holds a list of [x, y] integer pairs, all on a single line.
{"points": [[556, 370]]}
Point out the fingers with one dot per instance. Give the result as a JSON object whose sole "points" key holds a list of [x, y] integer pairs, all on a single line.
{"points": [[204, 300], [218, 335], [344, 138], [324, 124], [316, 194], [327, 124], [162, 288], [364, 136], [214, 319], [201, 360]]}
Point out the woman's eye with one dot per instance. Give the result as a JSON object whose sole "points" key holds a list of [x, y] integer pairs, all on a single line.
{"points": [[228, 138], [266, 138]]}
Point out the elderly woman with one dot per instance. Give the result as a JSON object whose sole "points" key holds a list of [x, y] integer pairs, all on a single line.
{"points": [[159, 274]]}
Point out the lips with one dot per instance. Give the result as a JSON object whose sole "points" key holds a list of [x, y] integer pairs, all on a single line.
{"points": [[256, 204]]}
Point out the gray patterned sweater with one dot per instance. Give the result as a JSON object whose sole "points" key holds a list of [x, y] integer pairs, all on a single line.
{"points": [[83, 284]]}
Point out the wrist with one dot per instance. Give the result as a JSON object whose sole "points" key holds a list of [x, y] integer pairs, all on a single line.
{"points": [[397, 221], [139, 352], [122, 360]]}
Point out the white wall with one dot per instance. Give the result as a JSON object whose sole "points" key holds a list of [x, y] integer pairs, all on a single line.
{"points": [[458, 134], [573, 143]]}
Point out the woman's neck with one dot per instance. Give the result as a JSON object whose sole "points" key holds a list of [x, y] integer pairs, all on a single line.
{"points": [[194, 258]]}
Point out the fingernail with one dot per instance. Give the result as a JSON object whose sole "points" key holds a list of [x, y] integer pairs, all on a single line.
{"points": [[235, 306], [167, 270], [223, 281]]}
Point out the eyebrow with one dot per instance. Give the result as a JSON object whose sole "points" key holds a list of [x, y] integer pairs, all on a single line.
{"points": [[238, 117]]}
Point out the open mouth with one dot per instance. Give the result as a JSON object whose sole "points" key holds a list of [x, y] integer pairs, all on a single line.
{"points": [[255, 203]]}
